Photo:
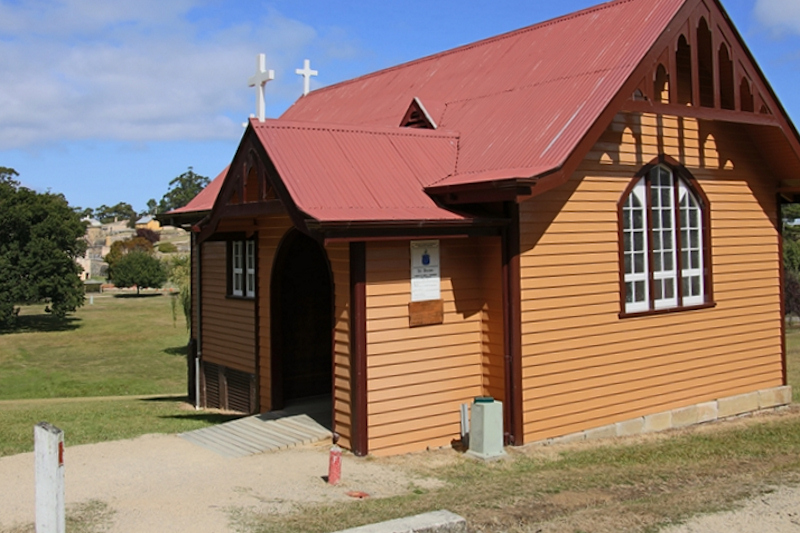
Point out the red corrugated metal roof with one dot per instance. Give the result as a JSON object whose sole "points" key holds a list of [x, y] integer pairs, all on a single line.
{"points": [[519, 102], [347, 173]]}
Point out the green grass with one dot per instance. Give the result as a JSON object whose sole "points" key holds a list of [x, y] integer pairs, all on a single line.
{"points": [[117, 346], [793, 361], [92, 420]]}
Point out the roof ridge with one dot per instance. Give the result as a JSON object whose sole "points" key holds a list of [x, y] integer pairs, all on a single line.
{"points": [[356, 128], [482, 42]]}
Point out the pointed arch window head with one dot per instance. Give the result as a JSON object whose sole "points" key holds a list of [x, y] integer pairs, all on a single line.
{"points": [[664, 250]]}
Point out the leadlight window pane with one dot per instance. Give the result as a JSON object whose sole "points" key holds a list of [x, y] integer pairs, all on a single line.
{"points": [[638, 219], [638, 265], [634, 243], [693, 268]]}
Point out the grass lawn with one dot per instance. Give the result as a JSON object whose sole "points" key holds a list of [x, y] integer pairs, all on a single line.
{"points": [[793, 361], [117, 346], [93, 420]]}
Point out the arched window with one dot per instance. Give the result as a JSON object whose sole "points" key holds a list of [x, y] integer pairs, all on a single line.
{"points": [[664, 250]]}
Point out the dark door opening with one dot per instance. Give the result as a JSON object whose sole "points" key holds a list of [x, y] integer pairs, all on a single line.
{"points": [[302, 319]]}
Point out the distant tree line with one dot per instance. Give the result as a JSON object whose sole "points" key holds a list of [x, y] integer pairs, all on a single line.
{"points": [[180, 191], [41, 236]]}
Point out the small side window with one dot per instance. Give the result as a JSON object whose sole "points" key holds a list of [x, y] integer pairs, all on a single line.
{"points": [[242, 269]]}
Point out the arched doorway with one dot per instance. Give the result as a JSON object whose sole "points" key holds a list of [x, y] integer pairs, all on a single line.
{"points": [[302, 319]]}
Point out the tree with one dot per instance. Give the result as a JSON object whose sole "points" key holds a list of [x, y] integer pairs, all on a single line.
{"points": [[152, 207], [40, 238], [139, 269], [84, 213], [791, 289], [121, 248], [7, 176], [179, 272], [149, 235], [181, 190], [120, 211]]}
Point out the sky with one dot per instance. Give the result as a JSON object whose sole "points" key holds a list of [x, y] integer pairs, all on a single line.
{"points": [[107, 101]]}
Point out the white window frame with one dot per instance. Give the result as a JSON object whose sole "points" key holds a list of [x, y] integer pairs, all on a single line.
{"points": [[659, 213], [243, 269]]}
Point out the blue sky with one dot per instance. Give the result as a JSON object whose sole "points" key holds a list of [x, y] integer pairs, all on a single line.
{"points": [[107, 101]]}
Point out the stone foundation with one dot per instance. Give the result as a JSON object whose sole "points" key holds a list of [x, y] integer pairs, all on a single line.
{"points": [[720, 409]]}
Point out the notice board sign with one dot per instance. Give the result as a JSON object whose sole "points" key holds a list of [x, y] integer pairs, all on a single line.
{"points": [[426, 306], [425, 274]]}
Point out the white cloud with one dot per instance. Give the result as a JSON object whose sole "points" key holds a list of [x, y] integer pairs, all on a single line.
{"points": [[779, 15], [148, 70]]}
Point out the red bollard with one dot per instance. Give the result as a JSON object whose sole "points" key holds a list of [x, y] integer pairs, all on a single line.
{"points": [[335, 465]]}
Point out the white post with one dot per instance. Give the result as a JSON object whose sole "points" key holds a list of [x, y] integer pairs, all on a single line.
{"points": [[49, 466]]}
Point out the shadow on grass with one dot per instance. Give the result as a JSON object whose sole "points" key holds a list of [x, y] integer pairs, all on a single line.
{"points": [[211, 418], [42, 323], [184, 399], [177, 350], [143, 295]]}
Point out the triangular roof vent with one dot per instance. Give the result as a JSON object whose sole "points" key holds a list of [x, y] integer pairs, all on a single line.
{"points": [[418, 116]]}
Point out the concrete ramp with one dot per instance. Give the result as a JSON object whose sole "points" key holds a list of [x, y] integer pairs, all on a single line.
{"points": [[259, 433]]}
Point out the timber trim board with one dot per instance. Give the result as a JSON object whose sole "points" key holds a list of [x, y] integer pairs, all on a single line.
{"points": [[512, 330], [701, 113], [782, 281], [358, 347]]}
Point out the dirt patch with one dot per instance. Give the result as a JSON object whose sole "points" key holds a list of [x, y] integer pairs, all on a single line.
{"points": [[164, 483]]}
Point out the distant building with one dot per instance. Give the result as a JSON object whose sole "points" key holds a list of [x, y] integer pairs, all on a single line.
{"points": [[148, 222]]}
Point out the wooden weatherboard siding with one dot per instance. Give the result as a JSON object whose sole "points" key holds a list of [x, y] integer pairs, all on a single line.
{"points": [[271, 229], [229, 334], [583, 365], [338, 255], [418, 376]]}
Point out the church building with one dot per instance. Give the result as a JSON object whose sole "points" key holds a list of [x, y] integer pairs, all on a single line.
{"points": [[579, 218]]}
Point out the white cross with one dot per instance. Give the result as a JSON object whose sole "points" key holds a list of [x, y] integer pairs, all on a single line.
{"points": [[306, 72], [259, 80]]}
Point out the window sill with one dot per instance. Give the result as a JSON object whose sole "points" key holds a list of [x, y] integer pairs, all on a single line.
{"points": [[668, 310], [246, 298]]}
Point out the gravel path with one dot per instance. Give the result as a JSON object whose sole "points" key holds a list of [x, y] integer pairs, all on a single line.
{"points": [[164, 483], [774, 512]]}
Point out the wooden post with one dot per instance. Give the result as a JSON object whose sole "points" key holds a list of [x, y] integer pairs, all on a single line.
{"points": [[49, 467]]}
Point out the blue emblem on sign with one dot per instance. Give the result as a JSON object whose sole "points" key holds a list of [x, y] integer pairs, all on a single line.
{"points": [[426, 258]]}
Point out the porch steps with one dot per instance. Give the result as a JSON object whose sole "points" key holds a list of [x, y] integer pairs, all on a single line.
{"points": [[258, 433]]}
